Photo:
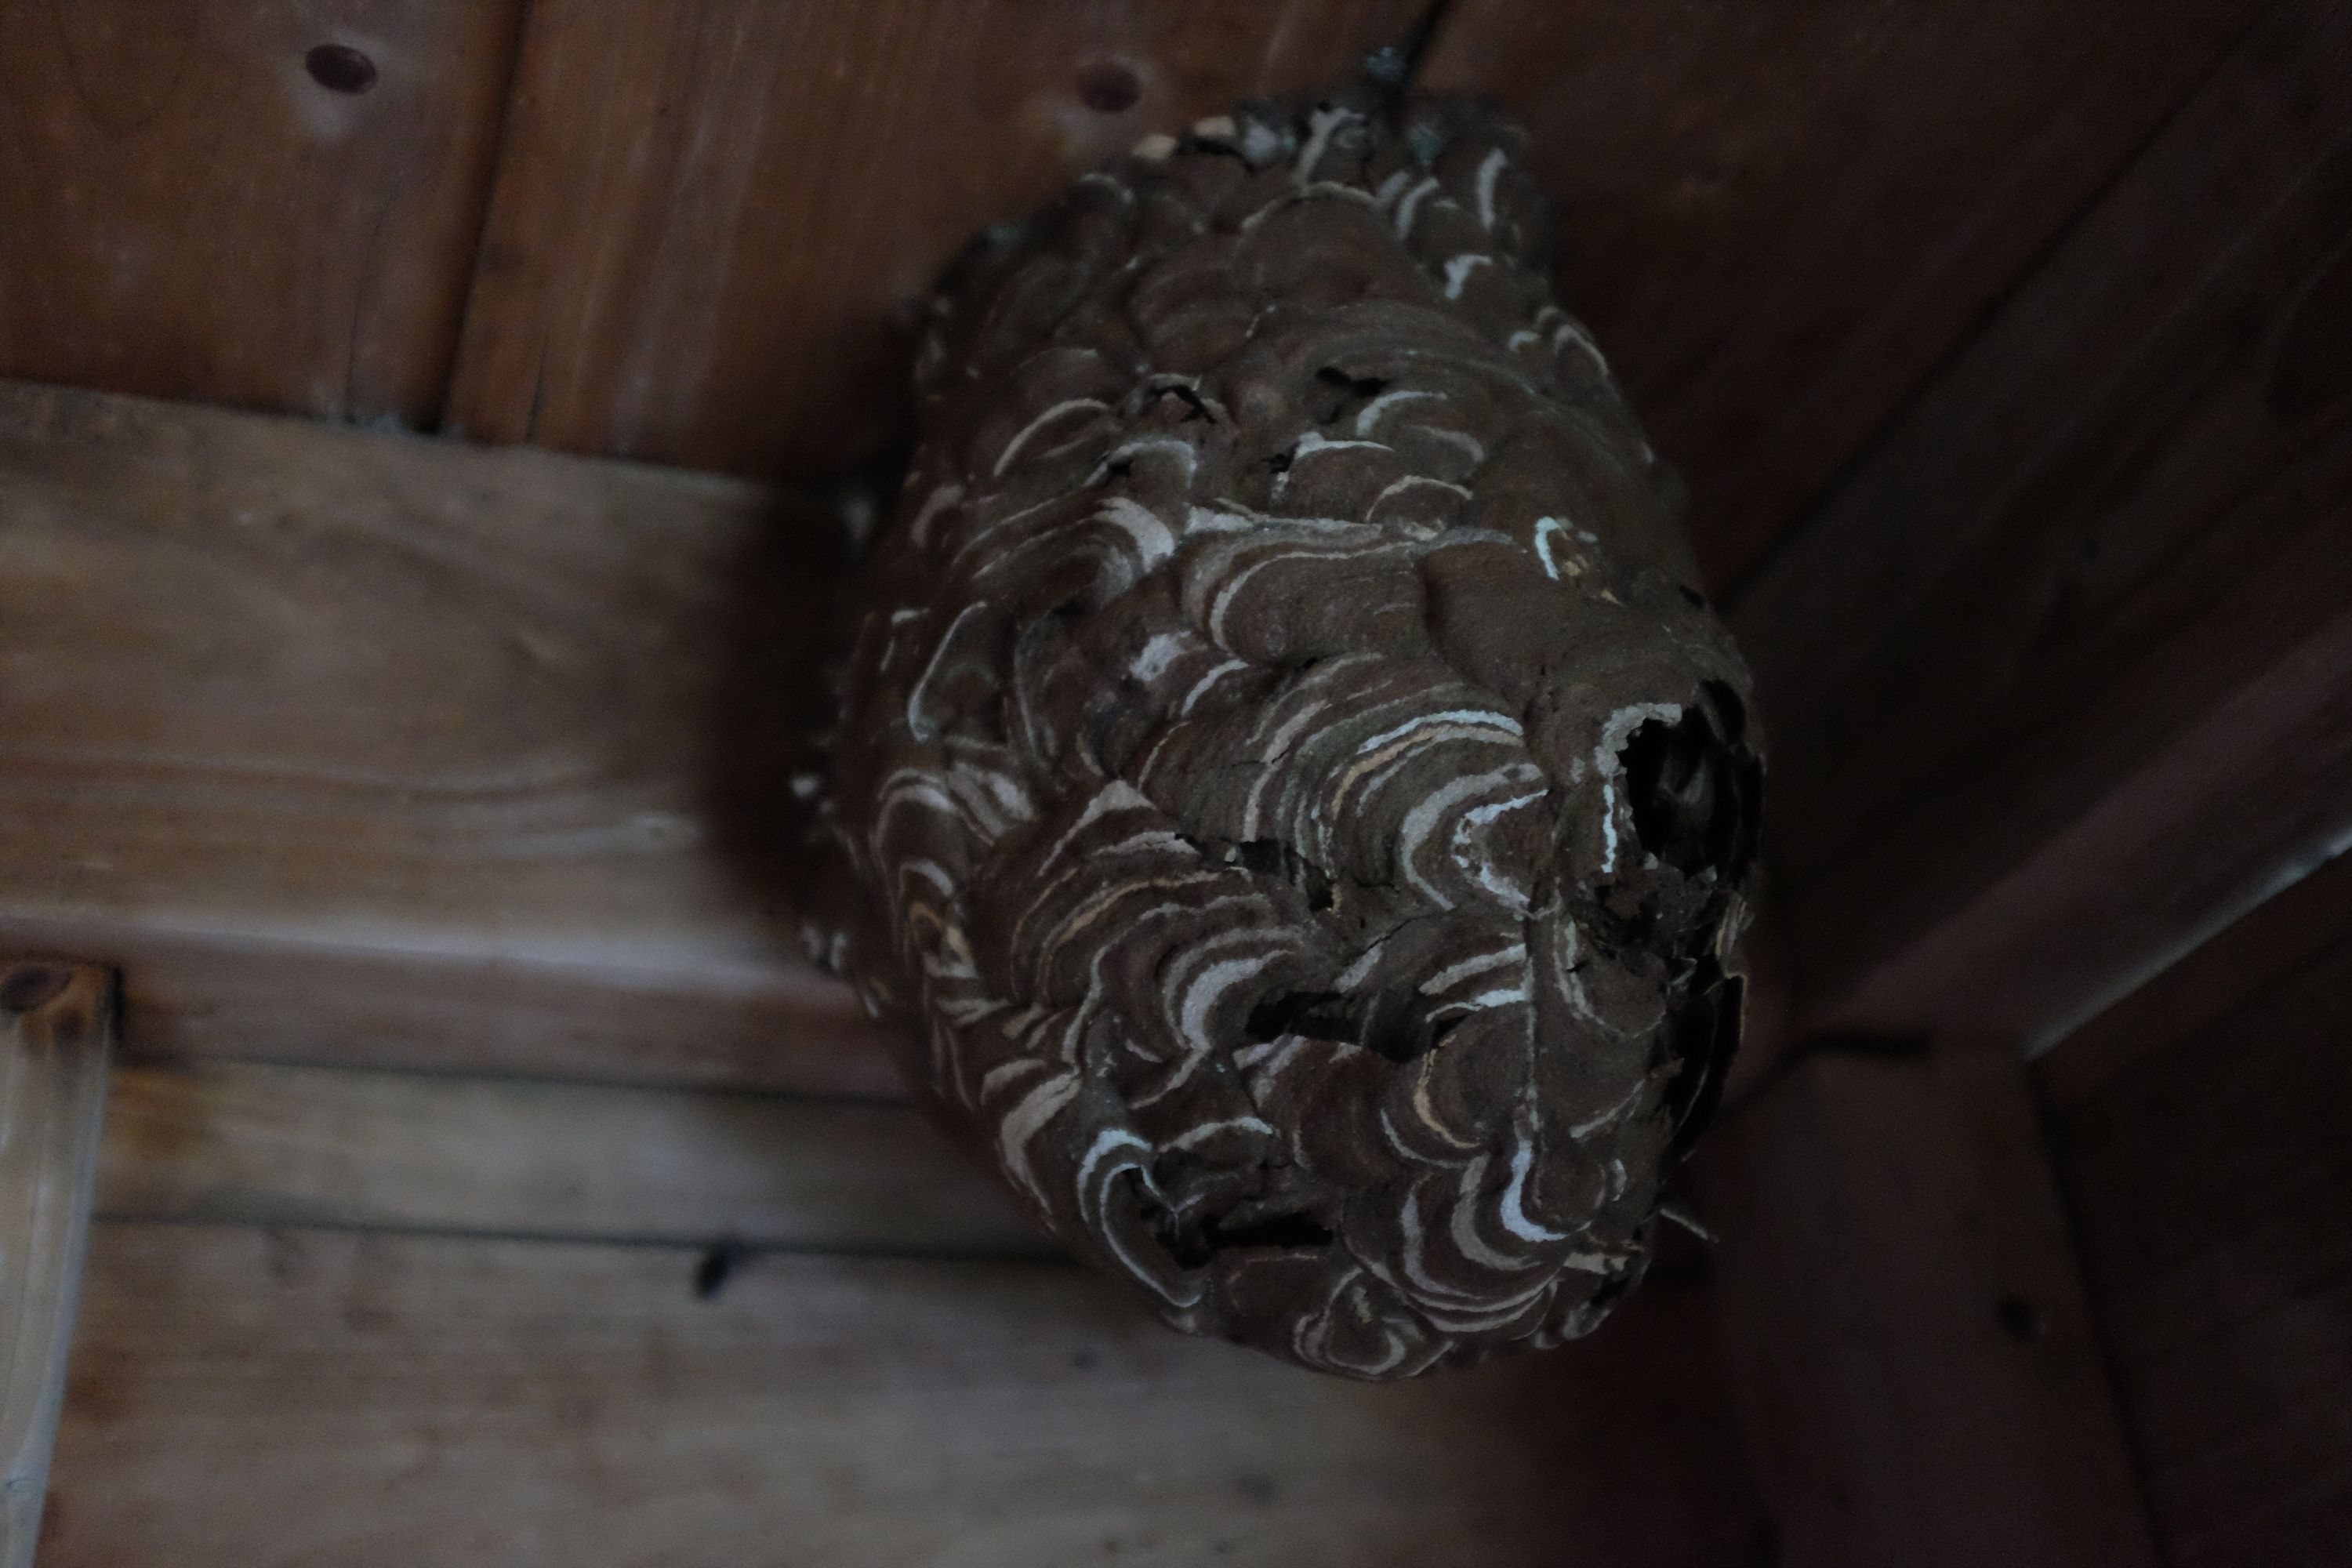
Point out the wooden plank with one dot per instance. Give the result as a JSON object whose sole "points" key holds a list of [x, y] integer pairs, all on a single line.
{"points": [[290, 1397], [1780, 221], [364, 747], [2210, 1181], [2309, 919], [1914, 1358], [285, 1145], [233, 996], [2060, 682], [714, 222], [55, 1022], [192, 211]]}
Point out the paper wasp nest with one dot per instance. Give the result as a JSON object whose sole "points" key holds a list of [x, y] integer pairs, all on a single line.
{"points": [[1295, 801]]}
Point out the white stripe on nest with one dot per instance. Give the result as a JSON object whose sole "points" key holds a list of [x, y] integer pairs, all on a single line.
{"points": [[1021, 438], [1369, 417], [1488, 173], [1153, 542], [1412, 204], [1458, 270]]}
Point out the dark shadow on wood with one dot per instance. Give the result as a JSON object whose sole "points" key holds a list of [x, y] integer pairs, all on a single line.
{"points": [[790, 622]]}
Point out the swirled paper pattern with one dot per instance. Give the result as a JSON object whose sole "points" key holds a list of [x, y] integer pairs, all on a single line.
{"points": [[1290, 793]]}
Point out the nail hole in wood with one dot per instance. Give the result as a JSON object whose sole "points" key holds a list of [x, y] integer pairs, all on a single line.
{"points": [[715, 1268], [339, 67], [1108, 87]]}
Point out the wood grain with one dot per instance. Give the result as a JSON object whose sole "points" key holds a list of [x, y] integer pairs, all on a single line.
{"points": [[2210, 1181], [293, 1396], [713, 221], [377, 747], [190, 213], [1915, 1363], [55, 1024], [279, 1146], [1779, 220], [2061, 681], [233, 996]]}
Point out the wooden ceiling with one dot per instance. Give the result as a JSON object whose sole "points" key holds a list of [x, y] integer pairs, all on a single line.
{"points": [[693, 231]]}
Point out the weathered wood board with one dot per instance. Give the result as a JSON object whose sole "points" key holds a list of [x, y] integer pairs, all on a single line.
{"points": [[194, 210], [697, 231], [291, 1145], [294, 1397], [1780, 220], [366, 747], [2060, 679], [714, 223]]}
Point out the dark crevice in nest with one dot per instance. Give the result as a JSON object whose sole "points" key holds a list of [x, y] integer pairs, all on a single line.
{"points": [[1248, 1224], [1694, 796], [1396, 1028], [1272, 858]]}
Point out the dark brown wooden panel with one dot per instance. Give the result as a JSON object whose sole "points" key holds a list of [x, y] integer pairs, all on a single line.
{"points": [[1914, 1358], [190, 211], [1782, 217], [349, 746], [251, 1396], [713, 221], [2061, 681], [2211, 1183]]}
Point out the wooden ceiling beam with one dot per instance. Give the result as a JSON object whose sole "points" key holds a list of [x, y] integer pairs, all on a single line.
{"points": [[372, 749]]}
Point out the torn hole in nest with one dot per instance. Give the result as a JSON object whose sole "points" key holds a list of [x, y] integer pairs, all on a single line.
{"points": [[1192, 1243], [1692, 795], [1272, 858], [1318, 1015], [1361, 385], [1195, 406], [1281, 1230], [1401, 1033], [1353, 390]]}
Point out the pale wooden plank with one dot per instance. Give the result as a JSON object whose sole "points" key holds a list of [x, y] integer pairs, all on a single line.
{"points": [[298, 1397], [1915, 1363], [55, 1024], [275, 1145], [2280, 937], [1780, 220], [2060, 681], [192, 213], [369, 746], [232, 997], [714, 222]]}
